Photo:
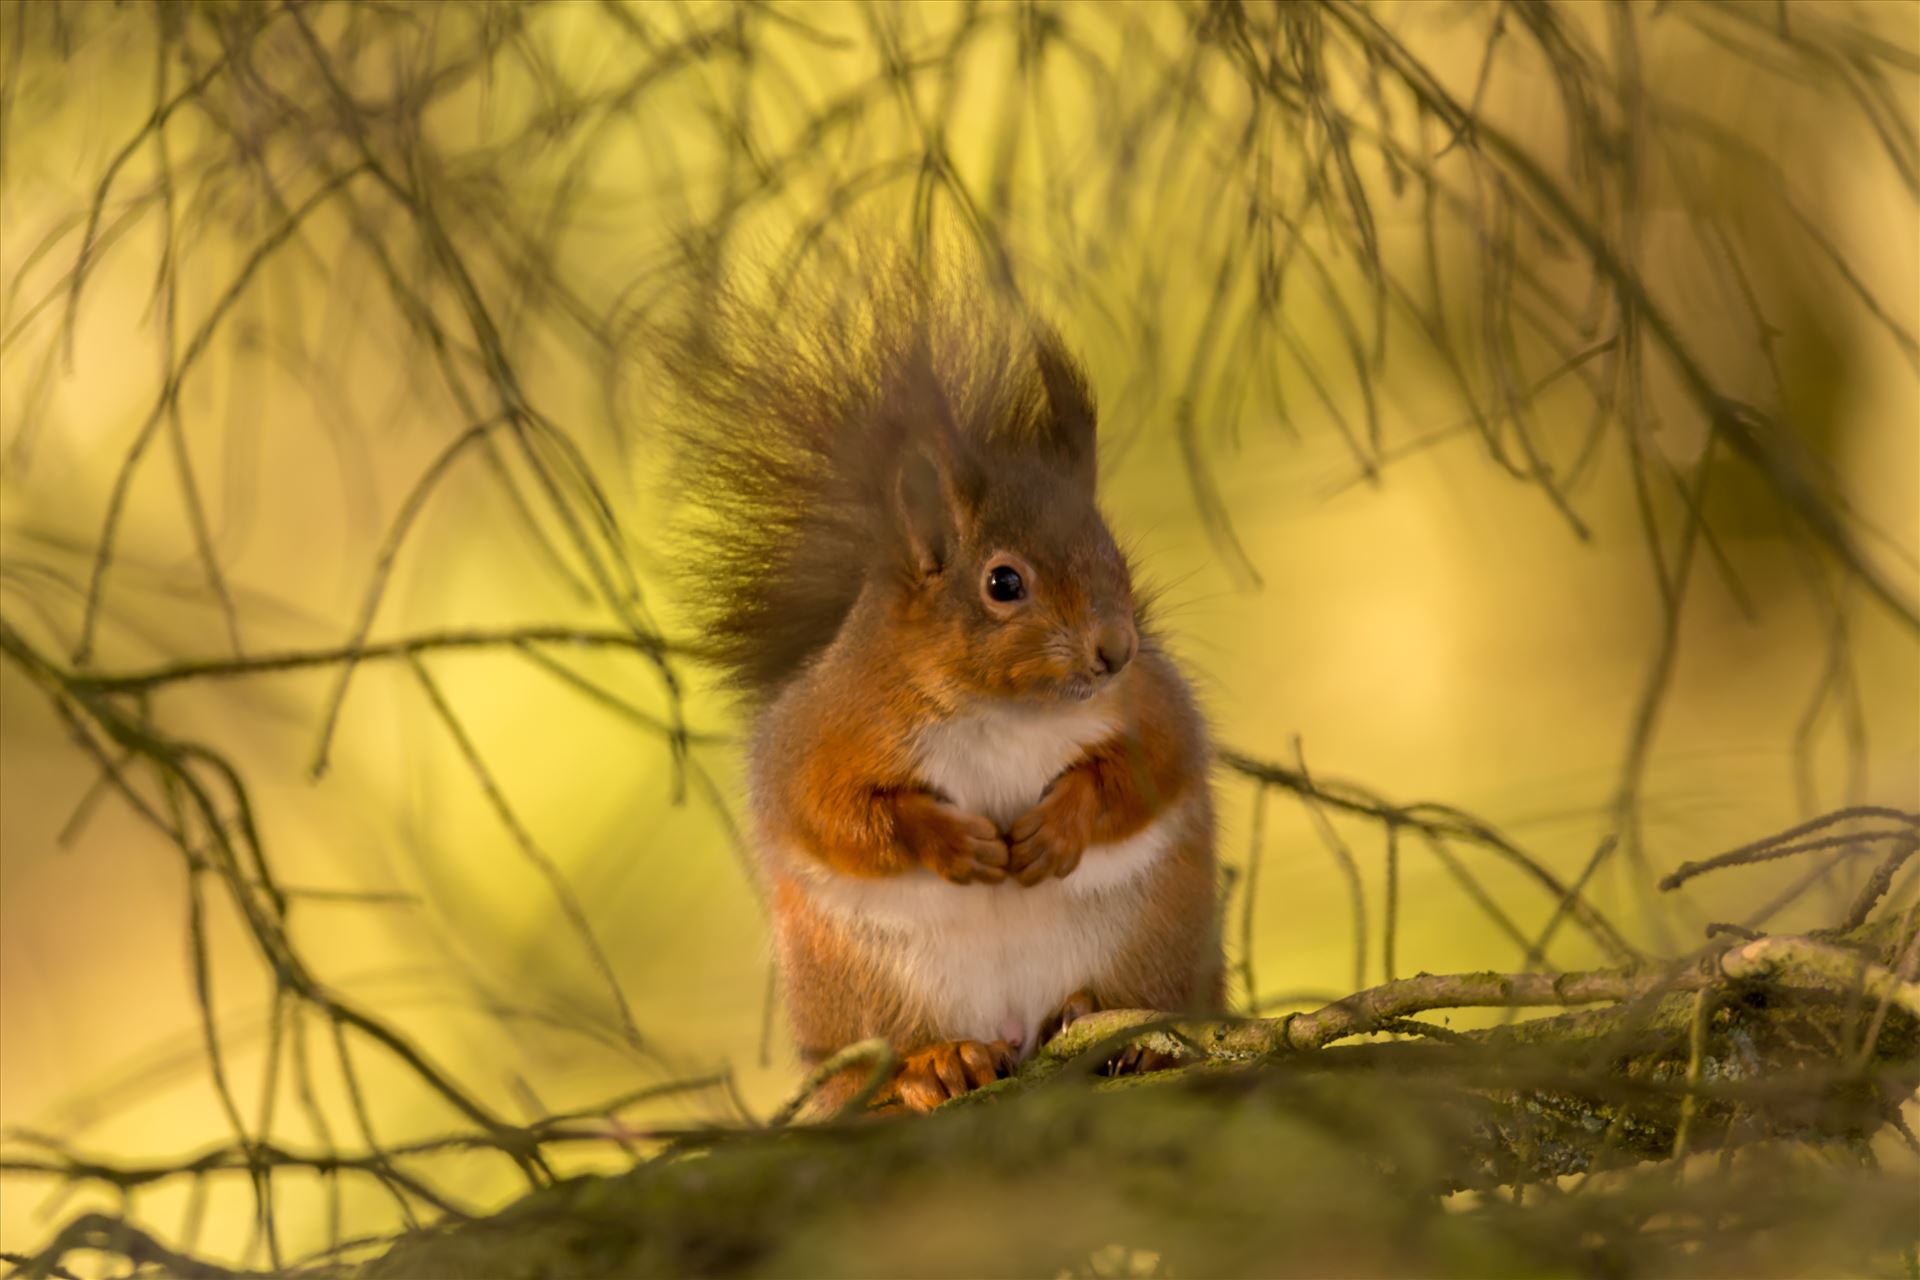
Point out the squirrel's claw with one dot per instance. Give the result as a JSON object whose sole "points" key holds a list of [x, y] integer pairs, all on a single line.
{"points": [[931, 1076], [1136, 1059], [1077, 1006], [1132, 1060]]}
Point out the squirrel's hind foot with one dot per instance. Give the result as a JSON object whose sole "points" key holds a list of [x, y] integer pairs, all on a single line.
{"points": [[1132, 1060], [1136, 1059], [930, 1076], [1077, 1006]]}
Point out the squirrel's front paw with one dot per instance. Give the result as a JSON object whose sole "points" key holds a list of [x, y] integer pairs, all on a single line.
{"points": [[1049, 838], [959, 846], [932, 1075]]}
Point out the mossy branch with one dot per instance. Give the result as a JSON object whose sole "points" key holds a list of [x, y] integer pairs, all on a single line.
{"points": [[1656, 1073]]}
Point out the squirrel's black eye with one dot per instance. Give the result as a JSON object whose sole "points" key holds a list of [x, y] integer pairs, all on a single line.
{"points": [[1005, 585]]}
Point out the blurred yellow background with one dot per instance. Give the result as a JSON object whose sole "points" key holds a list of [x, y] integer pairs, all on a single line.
{"points": [[1441, 634]]}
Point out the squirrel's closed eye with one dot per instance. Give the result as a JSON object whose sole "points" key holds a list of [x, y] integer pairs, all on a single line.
{"points": [[1005, 585]]}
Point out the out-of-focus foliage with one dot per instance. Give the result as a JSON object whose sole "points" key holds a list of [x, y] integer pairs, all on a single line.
{"points": [[1517, 401]]}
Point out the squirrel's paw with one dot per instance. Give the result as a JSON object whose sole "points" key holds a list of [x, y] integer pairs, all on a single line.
{"points": [[1132, 1060], [930, 1076], [1078, 1005], [959, 846], [1138, 1058], [1048, 839]]}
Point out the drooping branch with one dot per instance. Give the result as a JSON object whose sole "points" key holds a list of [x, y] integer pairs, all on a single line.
{"points": [[472, 269]]}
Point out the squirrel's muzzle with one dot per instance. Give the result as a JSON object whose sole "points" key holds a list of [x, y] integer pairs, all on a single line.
{"points": [[1114, 647]]}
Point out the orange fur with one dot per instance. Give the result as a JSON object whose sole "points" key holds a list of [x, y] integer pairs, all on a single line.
{"points": [[851, 804]]}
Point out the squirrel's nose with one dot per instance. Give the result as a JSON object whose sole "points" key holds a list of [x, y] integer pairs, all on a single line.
{"points": [[1115, 645]]}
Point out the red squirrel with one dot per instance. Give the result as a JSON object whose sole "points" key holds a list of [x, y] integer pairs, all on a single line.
{"points": [[978, 784]]}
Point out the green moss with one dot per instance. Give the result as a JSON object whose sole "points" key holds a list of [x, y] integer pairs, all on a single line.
{"points": [[1334, 1162]]}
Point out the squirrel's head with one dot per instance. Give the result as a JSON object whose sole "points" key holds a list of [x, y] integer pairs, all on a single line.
{"points": [[1007, 573]]}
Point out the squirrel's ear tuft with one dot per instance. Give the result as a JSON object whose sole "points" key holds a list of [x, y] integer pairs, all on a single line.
{"points": [[923, 511], [931, 481], [1070, 413]]}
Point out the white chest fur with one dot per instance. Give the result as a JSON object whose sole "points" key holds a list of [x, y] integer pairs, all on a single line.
{"points": [[990, 962], [997, 761]]}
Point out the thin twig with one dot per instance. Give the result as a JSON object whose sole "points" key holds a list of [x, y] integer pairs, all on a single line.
{"points": [[556, 880]]}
